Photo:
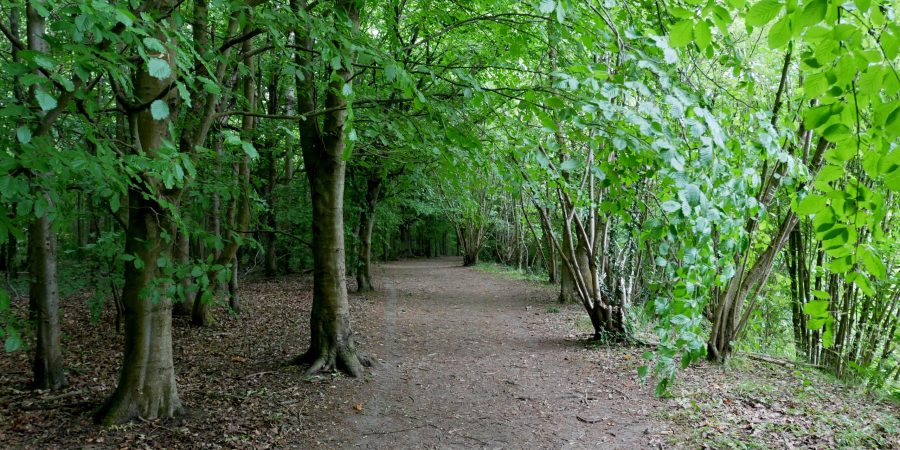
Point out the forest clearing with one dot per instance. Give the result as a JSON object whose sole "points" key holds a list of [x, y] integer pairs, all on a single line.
{"points": [[479, 223]]}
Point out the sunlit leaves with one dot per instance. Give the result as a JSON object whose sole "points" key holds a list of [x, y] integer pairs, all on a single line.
{"points": [[23, 134], [681, 33], [780, 33], [762, 12], [812, 13]]}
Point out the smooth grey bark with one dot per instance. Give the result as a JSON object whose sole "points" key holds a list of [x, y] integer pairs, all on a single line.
{"points": [[331, 337], [147, 387], [43, 290], [366, 225], [240, 220]]}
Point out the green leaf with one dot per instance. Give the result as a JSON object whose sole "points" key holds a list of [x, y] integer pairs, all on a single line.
{"points": [[872, 263], [816, 308], [681, 33], [13, 341], [154, 44], [547, 6], [554, 102], [159, 68], [23, 133], [159, 110], [671, 206], [811, 205], [812, 13], [836, 132], [249, 149], [568, 165], [45, 100], [780, 33], [762, 13], [702, 34]]}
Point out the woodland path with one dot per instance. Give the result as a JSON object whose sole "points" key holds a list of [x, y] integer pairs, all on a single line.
{"points": [[475, 360]]}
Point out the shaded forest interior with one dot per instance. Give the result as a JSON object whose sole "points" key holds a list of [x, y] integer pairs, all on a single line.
{"points": [[697, 183]]}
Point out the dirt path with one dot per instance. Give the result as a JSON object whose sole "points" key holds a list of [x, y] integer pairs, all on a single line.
{"points": [[471, 359]]}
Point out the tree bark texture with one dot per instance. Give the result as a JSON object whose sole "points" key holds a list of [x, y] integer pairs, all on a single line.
{"points": [[43, 289], [147, 387], [366, 225], [331, 338]]}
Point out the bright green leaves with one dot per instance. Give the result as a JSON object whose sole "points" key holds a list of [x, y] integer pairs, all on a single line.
{"points": [[871, 262], [702, 34], [159, 68], [780, 33], [686, 31], [812, 13], [811, 204], [820, 317], [159, 110], [681, 34], [232, 138], [762, 12]]}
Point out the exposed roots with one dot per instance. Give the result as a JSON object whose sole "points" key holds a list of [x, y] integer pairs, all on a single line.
{"points": [[346, 361]]}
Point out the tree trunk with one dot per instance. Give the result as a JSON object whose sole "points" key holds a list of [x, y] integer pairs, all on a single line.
{"points": [[331, 337], [567, 289], [234, 302], [729, 318], [200, 315], [147, 386], [43, 293], [366, 225], [43, 290], [183, 257]]}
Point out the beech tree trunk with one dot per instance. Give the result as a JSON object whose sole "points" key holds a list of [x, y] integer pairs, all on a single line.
{"points": [[366, 225], [43, 293], [42, 288], [240, 220], [147, 386], [183, 257], [331, 338]]}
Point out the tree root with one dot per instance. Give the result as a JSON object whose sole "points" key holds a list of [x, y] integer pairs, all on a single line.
{"points": [[348, 362]]}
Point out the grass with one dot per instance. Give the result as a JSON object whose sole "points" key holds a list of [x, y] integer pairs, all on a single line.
{"points": [[511, 272]]}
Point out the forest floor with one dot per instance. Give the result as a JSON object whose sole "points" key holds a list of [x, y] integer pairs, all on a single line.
{"points": [[467, 359]]}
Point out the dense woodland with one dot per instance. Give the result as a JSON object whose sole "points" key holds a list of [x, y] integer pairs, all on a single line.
{"points": [[704, 177]]}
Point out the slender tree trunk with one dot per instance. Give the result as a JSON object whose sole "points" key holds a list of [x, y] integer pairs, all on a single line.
{"points": [[366, 225], [43, 292], [183, 257], [42, 287], [567, 289], [200, 315]]}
